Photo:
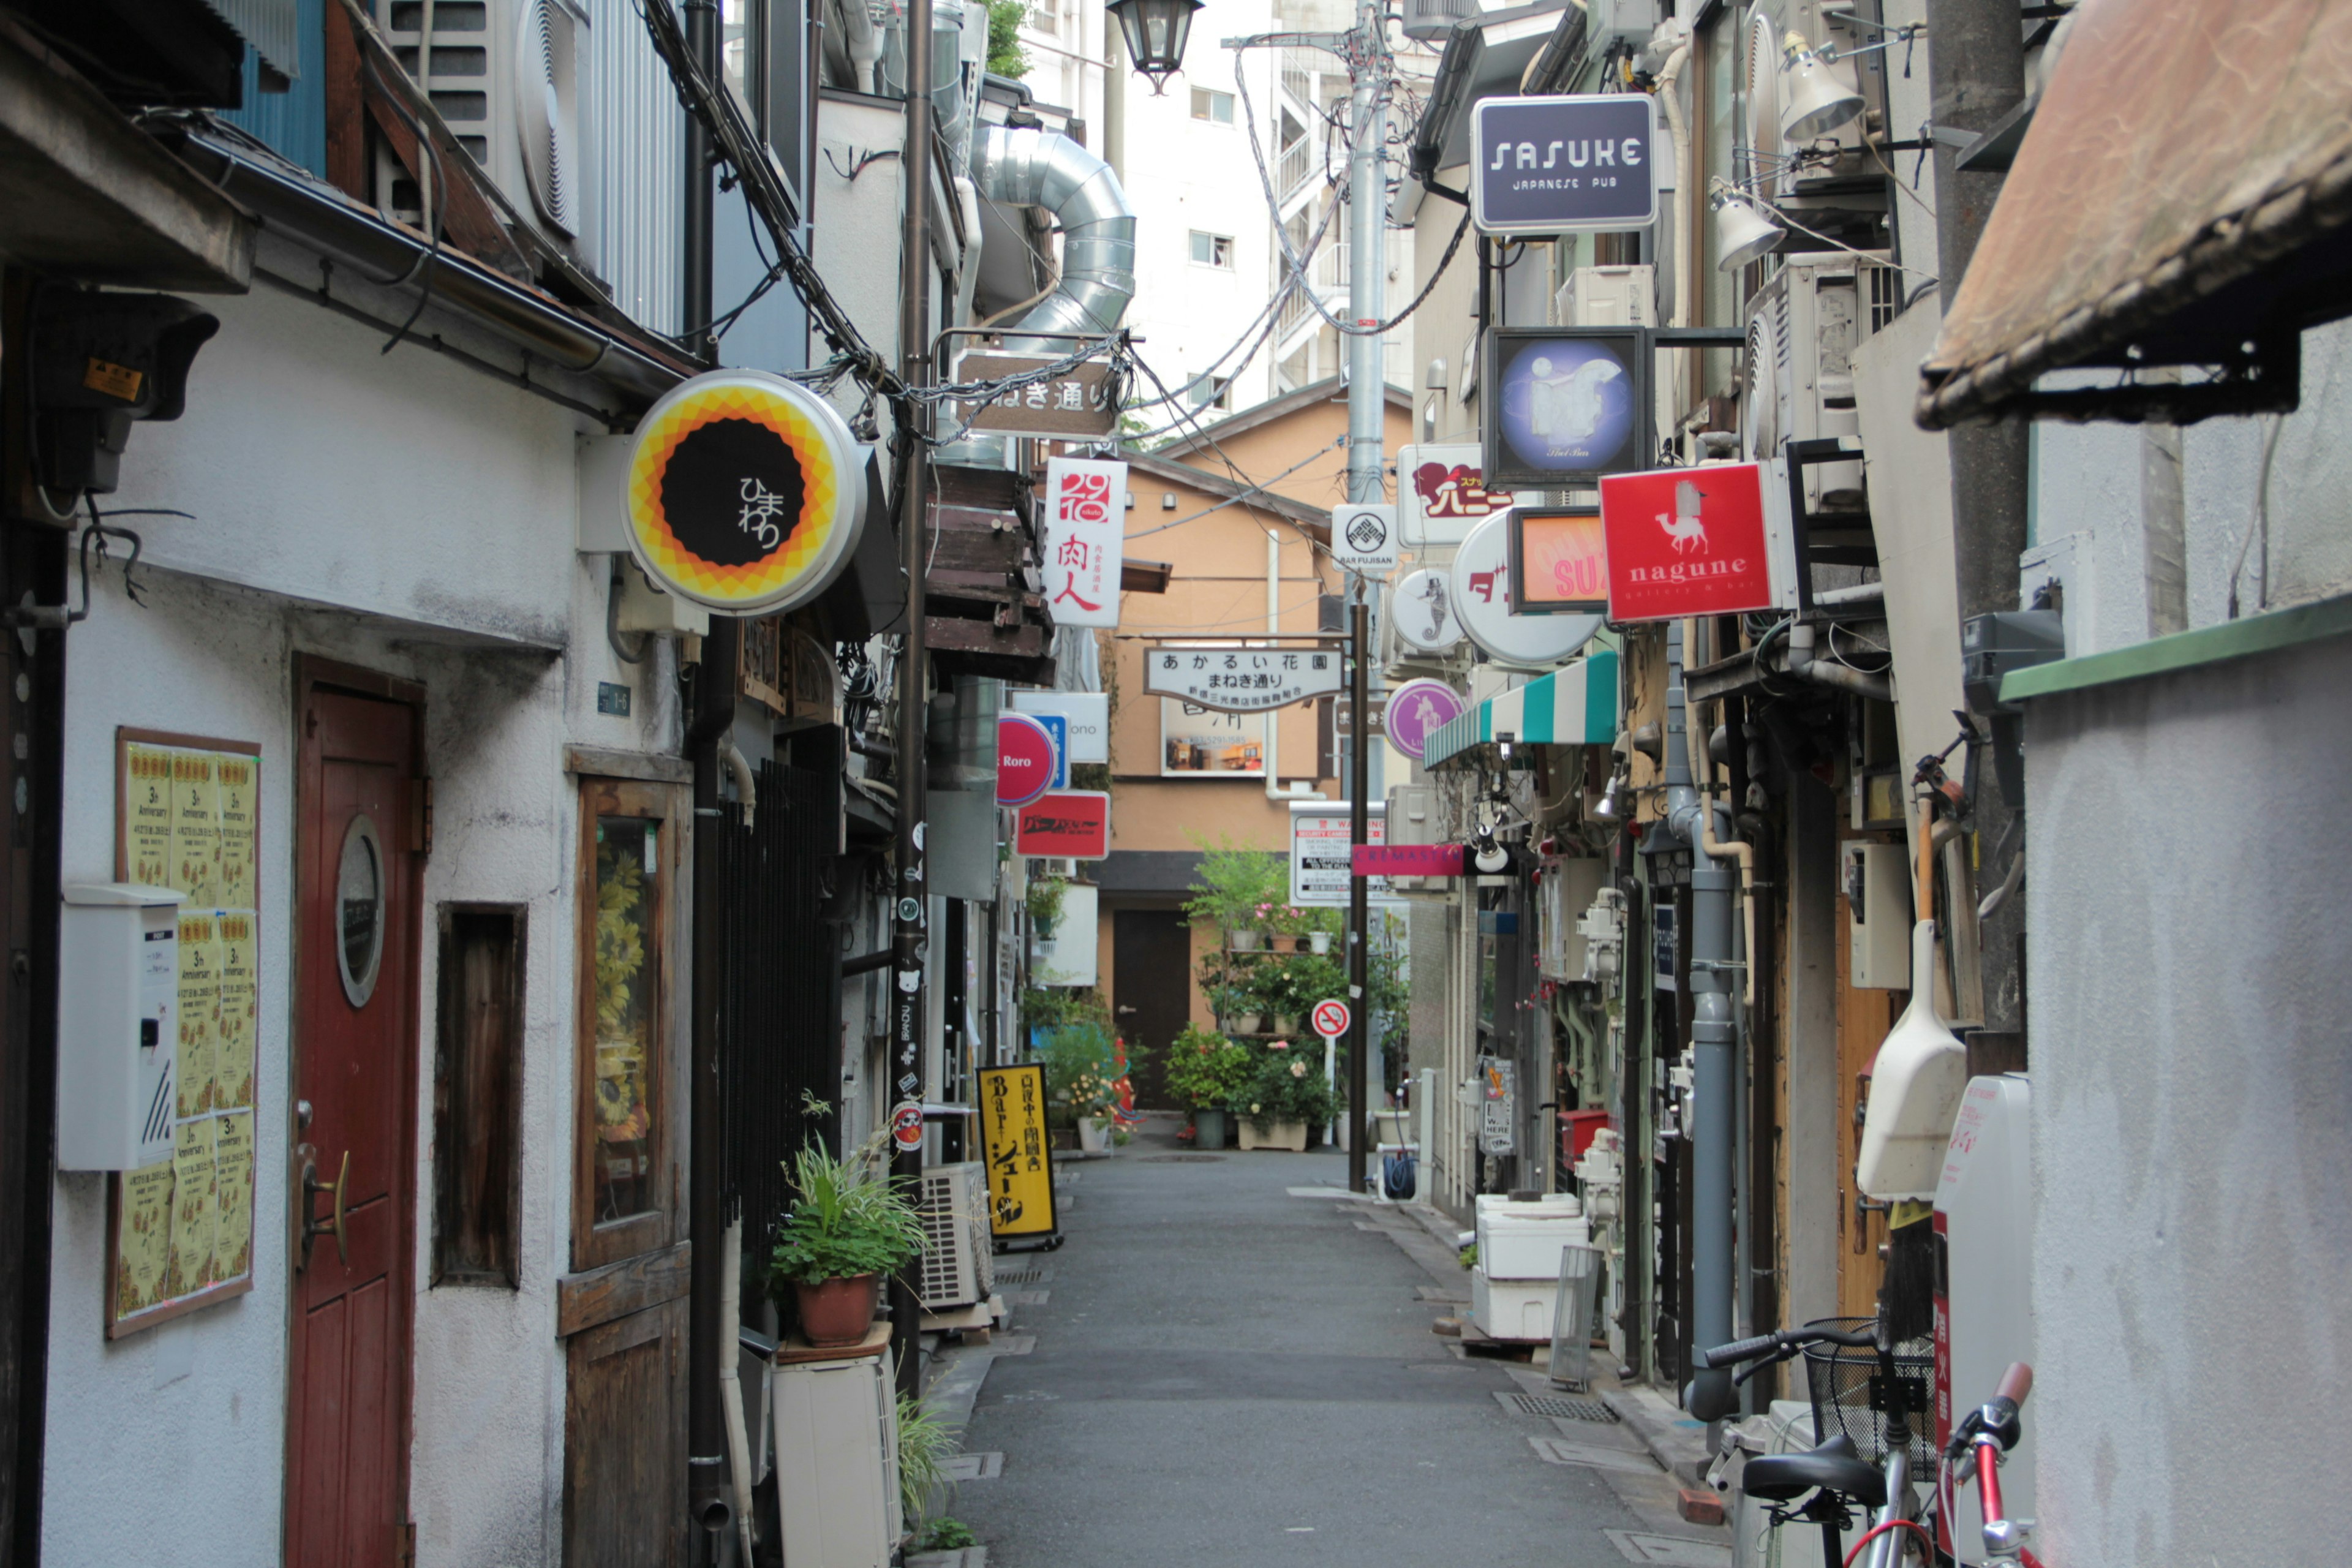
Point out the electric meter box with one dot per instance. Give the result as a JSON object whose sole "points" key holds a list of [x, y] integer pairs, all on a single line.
{"points": [[1878, 912], [118, 1033]]}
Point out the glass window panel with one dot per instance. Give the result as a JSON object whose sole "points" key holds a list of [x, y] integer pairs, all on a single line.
{"points": [[627, 1035]]}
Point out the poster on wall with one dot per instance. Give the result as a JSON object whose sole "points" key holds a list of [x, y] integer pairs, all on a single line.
{"points": [[179, 1233], [1017, 1152]]}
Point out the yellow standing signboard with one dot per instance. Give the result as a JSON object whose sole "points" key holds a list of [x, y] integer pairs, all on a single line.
{"points": [[1018, 1151]]}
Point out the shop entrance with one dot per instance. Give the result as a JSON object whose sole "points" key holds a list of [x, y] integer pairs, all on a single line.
{"points": [[1151, 981], [355, 1116]]}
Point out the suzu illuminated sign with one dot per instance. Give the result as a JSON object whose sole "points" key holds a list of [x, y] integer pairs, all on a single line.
{"points": [[1564, 406]]}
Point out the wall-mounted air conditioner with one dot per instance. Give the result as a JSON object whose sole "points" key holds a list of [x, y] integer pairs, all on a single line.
{"points": [[1803, 326], [505, 76], [1622, 296], [959, 1256]]}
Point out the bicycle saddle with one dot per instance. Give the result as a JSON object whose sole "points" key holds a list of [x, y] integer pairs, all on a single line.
{"points": [[1834, 1467]]}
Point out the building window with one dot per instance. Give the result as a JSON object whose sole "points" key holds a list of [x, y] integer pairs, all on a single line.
{"points": [[1216, 108], [1213, 250], [1045, 17], [1212, 392], [1196, 742], [478, 1096]]}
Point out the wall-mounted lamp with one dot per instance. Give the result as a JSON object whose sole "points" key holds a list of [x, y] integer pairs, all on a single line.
{"points": [[1744, 230], [1813, 101]]}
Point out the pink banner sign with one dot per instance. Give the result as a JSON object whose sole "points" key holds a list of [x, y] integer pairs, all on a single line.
{"points": [[1407, 860]]}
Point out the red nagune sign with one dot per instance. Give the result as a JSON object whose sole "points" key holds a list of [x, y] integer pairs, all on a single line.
{"points": [[1025, 759], [1071, 823], [1686, 542], [1407, 860]]}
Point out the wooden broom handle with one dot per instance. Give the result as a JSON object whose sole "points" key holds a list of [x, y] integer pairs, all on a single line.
{"points": [[1924, 879]]}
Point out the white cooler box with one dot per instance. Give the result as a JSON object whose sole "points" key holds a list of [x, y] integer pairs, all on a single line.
{"points": [[1513, 1309], [1523, 1241]]}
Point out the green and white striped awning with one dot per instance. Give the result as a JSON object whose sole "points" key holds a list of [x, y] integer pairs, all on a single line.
{"points": [[1575, 705]]}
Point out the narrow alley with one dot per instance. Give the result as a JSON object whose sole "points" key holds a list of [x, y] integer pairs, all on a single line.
{"points": [[1218, 1369]]}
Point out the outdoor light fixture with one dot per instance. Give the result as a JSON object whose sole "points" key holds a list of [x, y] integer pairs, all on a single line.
{"points": [[1155, 31], [1612, 803], [1813, 101], [1744, 231]]}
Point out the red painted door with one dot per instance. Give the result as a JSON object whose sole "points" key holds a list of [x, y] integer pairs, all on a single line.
{"points": [[355, 1025]]}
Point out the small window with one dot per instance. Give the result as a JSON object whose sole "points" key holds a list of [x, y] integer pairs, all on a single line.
{"points": [[478, 1096], [1217, 107], [1213, 250], [1215, 392]]}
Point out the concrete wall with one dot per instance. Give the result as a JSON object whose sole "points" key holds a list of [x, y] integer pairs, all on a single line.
{"points": [[317, 529], [2190, 1098]]}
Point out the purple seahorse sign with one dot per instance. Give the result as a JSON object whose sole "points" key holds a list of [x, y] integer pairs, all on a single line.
{"points": [[1417, 710]]}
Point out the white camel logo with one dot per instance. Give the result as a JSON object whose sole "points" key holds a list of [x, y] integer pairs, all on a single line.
{"points": [[1685, 528]]}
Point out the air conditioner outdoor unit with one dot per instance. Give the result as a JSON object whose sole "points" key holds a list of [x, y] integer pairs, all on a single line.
{"points": [[505, 75], [1413, 818], [959, 1258], [1776, 168], [1610, 22], [1622, 296], [1428, 21], [1803, 326]]}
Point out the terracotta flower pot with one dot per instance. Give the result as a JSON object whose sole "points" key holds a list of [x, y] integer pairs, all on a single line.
{"points": [[838, 1311]]}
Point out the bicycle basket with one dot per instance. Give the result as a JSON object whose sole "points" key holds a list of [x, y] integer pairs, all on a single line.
{"points": [[1850, 1396]]}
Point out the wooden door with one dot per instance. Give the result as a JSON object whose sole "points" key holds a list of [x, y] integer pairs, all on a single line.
{"points": [[622, 1311], [1151, 987], [354, 1083]]}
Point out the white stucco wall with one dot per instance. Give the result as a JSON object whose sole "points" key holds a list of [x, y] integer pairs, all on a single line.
{"points": [[409, 515], [2190, 1099]]}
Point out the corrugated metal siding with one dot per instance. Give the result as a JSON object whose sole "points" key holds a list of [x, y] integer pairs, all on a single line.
{"points": [[272, 26], [635, 137], [293, 123]]}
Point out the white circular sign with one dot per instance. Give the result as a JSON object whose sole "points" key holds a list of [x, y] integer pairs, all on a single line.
{"points": [[1422, 610], [1482, 600], [1332, 1018]]}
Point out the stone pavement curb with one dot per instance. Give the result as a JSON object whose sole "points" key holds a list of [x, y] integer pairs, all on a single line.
{"points": [[1674, 1439]]}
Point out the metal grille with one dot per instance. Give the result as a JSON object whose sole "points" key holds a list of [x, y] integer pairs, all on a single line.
{"points": [[1567, 1409], [1019, 1275], [780, 990]]}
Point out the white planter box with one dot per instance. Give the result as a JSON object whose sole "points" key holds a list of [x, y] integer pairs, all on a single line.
{"points": [[1290, 1135], [1513, 1309], [837, 1460]]}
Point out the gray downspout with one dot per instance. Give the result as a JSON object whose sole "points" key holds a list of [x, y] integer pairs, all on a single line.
{"points": [[1714, 1050]]}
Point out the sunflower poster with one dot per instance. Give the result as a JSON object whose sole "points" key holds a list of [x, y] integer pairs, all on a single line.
{"points": [[195, 828], [199, 1011], [236, 1011], [232, 1195], [192, 1207], [142, 1253]]}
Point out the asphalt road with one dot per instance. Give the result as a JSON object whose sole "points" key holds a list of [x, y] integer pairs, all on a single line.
{"points": [[1226, 1374]]}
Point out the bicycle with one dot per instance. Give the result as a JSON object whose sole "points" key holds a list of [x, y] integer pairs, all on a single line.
{"points": [[1833, 1478], [1988, 1431]]}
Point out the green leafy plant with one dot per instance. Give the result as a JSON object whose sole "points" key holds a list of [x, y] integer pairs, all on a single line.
{"points": [[1045, 901], [1231, 884], [1082, 1071], [848, 1218], [1288, 1087], [1005, 55], [926, 1444], [1292, 985], [1053, 1006], [1207, 1071], [1469, 1256], [949, 1535]]}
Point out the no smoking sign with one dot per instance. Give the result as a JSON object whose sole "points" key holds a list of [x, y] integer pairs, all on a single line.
{"points": [[1332, 1018]]}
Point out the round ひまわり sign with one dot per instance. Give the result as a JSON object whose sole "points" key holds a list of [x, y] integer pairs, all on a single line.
{"points": [[745, 493]]}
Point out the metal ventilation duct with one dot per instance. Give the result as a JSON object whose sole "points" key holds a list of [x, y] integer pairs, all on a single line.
{"points": [[1029, 167]]}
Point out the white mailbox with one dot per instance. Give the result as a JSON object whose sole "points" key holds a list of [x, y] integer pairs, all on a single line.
{"points": [[118, 1035]]}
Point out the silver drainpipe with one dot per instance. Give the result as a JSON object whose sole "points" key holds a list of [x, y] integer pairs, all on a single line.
{"points": [[1714, 1047], [1024, 166]]}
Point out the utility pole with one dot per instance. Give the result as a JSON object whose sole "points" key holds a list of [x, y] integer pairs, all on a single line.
{"points": [[912, 901], [1367, 428]]}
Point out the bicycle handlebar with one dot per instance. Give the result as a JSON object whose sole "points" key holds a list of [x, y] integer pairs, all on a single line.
{"points": [[2015, 1384], [1784, 1342]]}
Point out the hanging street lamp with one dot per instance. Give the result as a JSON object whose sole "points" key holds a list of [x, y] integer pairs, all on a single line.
{"points": [[1155, 31]]}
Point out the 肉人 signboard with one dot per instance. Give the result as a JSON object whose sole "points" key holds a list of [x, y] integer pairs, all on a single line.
{"points": [[1066, 824], [1545, 165], [1015, 1150], [1025, 759], [1686, 542], [1086, 540]]}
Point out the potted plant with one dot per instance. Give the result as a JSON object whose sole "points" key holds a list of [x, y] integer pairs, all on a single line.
{"points": [[1209, 1073], [1322, 925], [1231, 886], [848, 1227], [1287, 1097], [1083, 1079]]}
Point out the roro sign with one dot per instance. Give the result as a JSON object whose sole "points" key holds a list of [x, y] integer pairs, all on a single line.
{"points": [[1545, 165], [1025, 758]]}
